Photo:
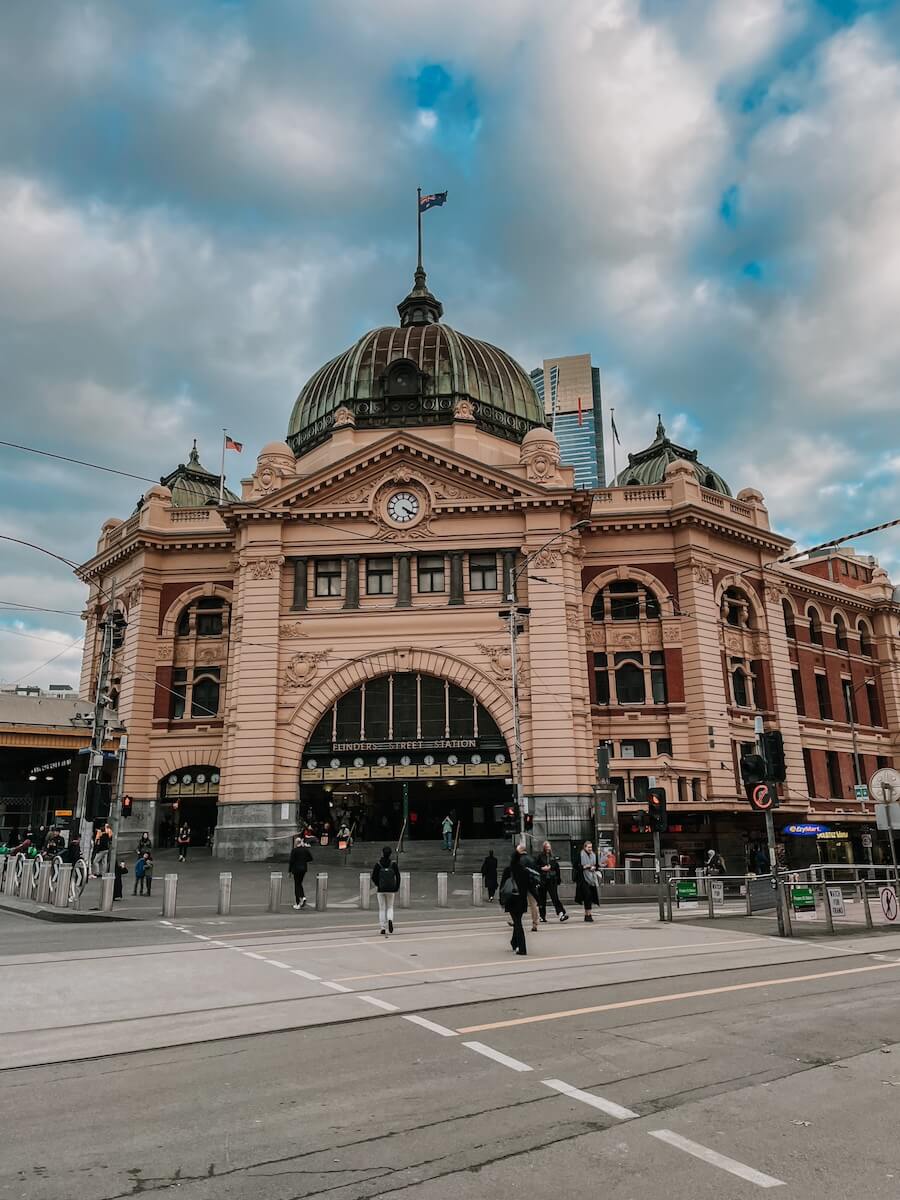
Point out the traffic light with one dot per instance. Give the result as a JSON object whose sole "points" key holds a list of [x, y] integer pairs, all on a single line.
{"points": [[510, 819], [753, 769], [659, 820], [126, 806], [96, 800], [603, 762], [119, 625], [773, 750], [755, 774]]}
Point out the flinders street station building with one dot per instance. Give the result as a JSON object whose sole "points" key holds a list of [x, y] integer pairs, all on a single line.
{"points": [[332, 637]]}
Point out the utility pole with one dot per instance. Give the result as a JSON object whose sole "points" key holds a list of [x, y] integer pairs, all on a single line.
{"points": [[98, 730], [770, 837]]}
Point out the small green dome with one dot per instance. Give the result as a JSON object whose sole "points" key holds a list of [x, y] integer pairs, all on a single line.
{"points": [[648, 467], [415, 374], [192, 486]]}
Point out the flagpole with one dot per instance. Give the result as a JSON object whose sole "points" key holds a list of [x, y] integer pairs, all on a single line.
{"points": [[612, 424], [222, 471], [419, 223]]}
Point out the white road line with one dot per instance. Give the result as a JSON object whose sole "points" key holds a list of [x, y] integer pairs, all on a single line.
{"points": [[225, 944], [731, 1165], [338, 987], [432, 1025], [379, 1003], [165, 922], [608, 1106], [273, 962], [250, 954], [503, 1059], [305, 974], [201, 937]]}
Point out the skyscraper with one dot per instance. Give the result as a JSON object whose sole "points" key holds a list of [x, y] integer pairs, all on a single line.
{"points": [[570, 391]]}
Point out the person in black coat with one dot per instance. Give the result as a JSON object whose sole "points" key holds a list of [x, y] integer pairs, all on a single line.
{"points": [[386, 877], [298, 864], [120, 871], [548, 868], [516, 903], [489, 874]]}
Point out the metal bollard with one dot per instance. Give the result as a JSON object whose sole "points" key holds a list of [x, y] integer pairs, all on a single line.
{"points": [[170, 895], [107, 883], [748, 897], [9, 880], [42, 892], [63, 884], [709, 902], [829, 919], [404, 889], [321, 891], [365, 889], [442, 889], [477, 890], [223, 908], [25, 881], [275, 891]]}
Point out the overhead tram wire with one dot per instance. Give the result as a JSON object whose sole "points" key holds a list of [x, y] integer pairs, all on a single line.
{"points": [[14, 607], [78, 462]]}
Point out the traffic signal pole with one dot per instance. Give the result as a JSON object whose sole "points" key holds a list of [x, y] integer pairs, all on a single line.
{"points": [[98, 729], [770, 838]]}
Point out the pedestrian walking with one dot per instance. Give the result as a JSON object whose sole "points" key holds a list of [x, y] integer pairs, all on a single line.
{"points": [[514, 897], [489, 874], [183, 841], [298, 864], [534, 882], [386, 877], [588, 889], [447, 832], [551, 877]]}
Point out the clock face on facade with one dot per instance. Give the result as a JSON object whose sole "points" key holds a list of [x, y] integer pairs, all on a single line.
{"points": [[403, 507]]}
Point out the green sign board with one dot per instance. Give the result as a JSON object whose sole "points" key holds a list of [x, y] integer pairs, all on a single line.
{"points": [[802, 899], [686, 889]]}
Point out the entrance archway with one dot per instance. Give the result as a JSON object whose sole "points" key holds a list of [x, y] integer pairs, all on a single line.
{"points": [[189, 794], [406, 747]]}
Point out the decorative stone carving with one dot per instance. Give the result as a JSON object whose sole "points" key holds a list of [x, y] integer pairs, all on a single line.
{"points": [[303, 668], [463, 410], [343, 416], [501, 661], [291, 629], [548, 557], [274, 467], [209, 654], [574, 618], [444, 490], [358, 496], [671, 634], [774, 593], [701, 573], [540, 456], [264, 568], [734, 642], [622, 639], [131, 593]]}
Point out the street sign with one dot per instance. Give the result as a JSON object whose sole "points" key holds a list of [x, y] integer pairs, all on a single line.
{"points": [[885, 785], [861, 792], [717, 888], [883, 811], [686, 891], [802, 899], [889, 905], [762, 796], [836, 902], [866, 840]]}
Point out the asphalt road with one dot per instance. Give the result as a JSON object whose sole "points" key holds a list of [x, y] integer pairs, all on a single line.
{"points": [[624, 1060]]}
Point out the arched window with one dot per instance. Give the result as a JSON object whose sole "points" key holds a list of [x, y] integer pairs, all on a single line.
{"points": [[789, 627], [206, 616], [736, 608], [625, 600], [402, 379], [865, 640], [741, 683], [815, 626], [205, 693], [840, 632], [198, 681], [630, 686]]}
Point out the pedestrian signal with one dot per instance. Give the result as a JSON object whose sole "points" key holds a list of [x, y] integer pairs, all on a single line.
{"points": [[659, 820]]}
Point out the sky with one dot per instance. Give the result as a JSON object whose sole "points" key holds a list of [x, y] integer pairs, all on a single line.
{"points": [[201, 201]]}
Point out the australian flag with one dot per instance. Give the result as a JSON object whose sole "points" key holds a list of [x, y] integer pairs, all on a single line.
{"points": [[435, 200]]}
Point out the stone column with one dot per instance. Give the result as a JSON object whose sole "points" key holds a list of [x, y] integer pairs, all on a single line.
{"points": [[404, 584], [457, 593]]}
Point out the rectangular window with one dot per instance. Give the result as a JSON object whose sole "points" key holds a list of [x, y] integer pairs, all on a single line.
{"points": [[404, 707], [601, 678], [849, 710], [630, 685], [658, 677], [874, 707], [431, 573], [328, 577], [179, 694], [635, 748], [462, 713], [433, 707], [209, 624], [376, 714], [379, 576], [810, 778], [824, 698], [349, 714], [483, 572], [835, 790], [641, 788], [624, 601], [798, 693], [664, 746]]}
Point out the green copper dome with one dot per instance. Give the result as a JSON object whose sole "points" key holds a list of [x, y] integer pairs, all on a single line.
{"points": [[192, 486], [648, 467], [417, 374]]}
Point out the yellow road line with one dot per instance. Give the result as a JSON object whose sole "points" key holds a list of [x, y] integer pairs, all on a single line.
{"points": [[499, 962], [671, 998]]}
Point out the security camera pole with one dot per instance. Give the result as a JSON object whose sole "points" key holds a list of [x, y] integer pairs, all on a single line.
{"points": [[514, 614]]}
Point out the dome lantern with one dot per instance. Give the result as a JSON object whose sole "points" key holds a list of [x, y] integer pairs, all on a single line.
{"points": [[648, 467]]}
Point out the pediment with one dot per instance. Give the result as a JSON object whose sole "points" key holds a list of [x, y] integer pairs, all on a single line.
{"points": [[452, 481]]}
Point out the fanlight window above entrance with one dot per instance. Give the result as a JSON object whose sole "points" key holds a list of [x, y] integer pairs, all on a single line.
{"points": [[625, 600], [405, 710]]}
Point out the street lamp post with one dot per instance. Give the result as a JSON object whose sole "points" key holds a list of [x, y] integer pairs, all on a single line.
{"points": [[513, 614]]}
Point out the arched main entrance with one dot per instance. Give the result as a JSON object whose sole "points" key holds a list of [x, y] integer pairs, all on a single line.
{"points": [[189, 794], [407, 746]]}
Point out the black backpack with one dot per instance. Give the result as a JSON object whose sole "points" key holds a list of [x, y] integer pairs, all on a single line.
{"points": [[387, 877]]}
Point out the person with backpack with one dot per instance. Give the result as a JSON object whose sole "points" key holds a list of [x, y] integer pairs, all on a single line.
{"points": [[298, 864], [489, 874], [183, 841], [514, 887], [386, 877]]}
